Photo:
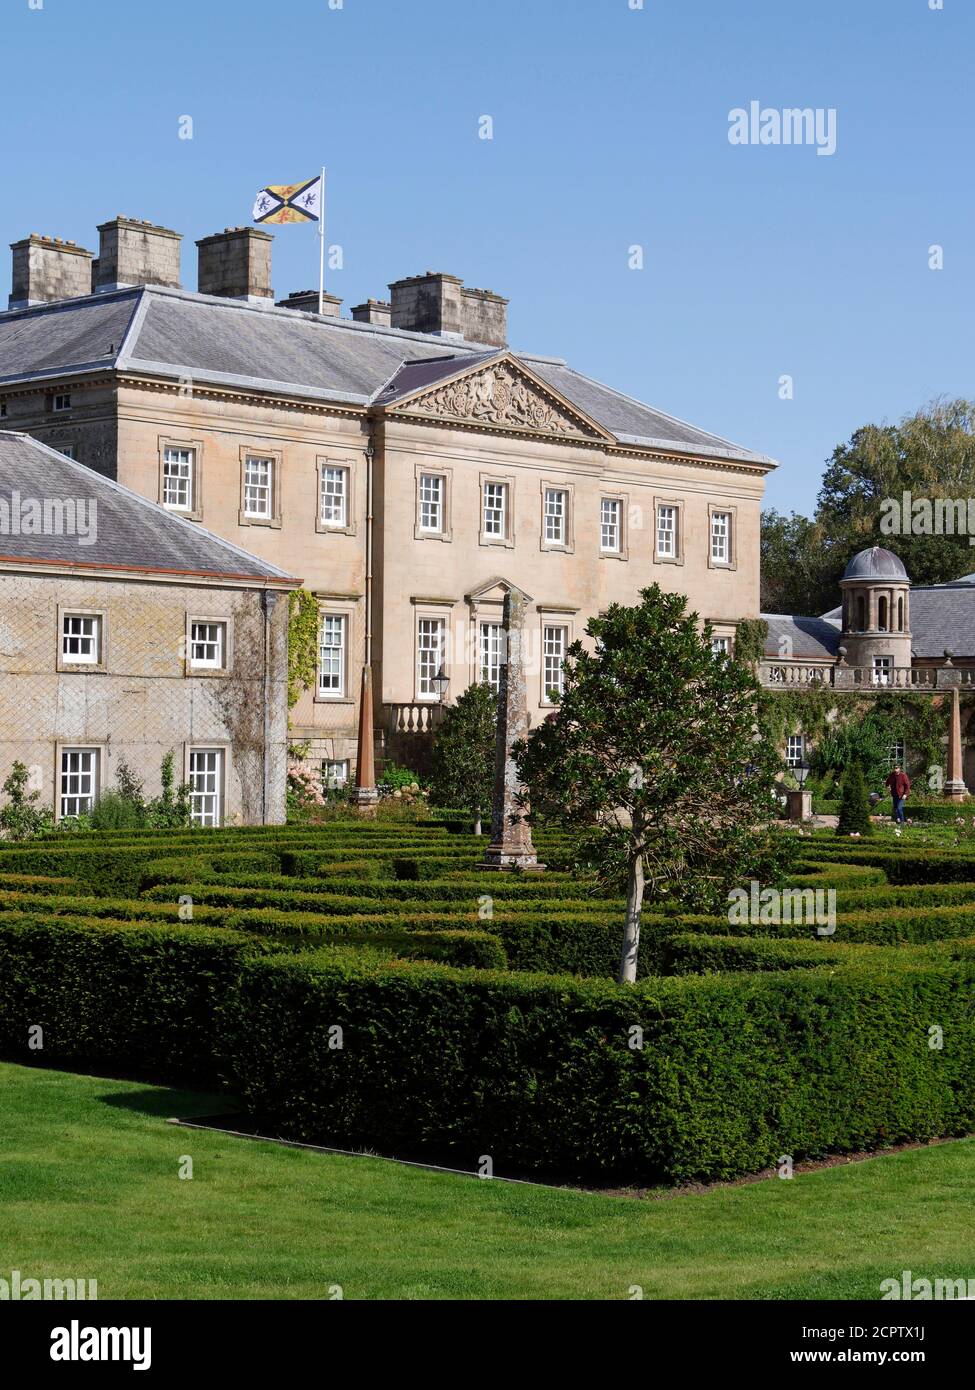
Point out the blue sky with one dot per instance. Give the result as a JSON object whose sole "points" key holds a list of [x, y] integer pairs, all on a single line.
{"points": [[610, 130]]}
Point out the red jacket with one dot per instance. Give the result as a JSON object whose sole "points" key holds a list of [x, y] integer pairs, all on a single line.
{"points": [[898, 783]]}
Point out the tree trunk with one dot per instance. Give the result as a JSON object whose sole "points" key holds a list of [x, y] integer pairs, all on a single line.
{"points": [[631, 934]]}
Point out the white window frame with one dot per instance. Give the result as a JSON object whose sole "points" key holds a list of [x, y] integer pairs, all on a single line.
{"points": [[795, 749], [338, 505], [331, 779], [555, 516], [431, 504], [258, 499], [68, 450], [174, 484], [897, 756], [206, 775], [206, 633], [720, 531], [61, 402], [494, 510], [610, 524], [720, 646], [553, 651], [430, 654], [331, 624], [667, 536], [92, 657], [490, 646], [78, 786], [882, 670]]}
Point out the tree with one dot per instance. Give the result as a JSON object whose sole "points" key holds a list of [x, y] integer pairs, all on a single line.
{"points": [[21, 817], [854, 811], [463, 755], [795, 574], [652, 755]]}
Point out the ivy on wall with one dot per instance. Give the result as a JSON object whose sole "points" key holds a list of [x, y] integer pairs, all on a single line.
{"points": [[750, 638], [302, 643], [836, 722]]}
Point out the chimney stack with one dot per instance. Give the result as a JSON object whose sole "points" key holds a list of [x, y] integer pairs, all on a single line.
{"points": [[46, 269], [236, 264], [438, 303], [373, 311], [134, 252], [307, 302]]}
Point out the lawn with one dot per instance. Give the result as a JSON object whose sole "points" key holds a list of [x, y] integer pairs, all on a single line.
{"points": [[89, 1189]]}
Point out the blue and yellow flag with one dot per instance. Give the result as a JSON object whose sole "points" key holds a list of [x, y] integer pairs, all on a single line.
{"points": [[289, 202]]}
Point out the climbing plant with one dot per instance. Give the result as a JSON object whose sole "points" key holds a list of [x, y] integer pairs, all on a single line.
{"points": [[750, 636], [302, 644]]}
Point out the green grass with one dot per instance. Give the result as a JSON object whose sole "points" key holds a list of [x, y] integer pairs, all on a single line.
{"points": [[89, 1189]]}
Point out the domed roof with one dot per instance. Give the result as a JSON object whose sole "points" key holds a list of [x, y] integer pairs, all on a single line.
{"points": [[875, 563]]}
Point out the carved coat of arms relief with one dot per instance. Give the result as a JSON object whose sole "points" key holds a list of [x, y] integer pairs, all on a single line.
{"points": [[498, 396]]}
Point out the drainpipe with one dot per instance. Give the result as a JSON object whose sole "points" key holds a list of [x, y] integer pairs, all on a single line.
{"points": [[370, 454]]}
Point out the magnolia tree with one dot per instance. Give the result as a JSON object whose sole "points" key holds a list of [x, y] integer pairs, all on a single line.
{"points": [[462, 772], [653, 756]]}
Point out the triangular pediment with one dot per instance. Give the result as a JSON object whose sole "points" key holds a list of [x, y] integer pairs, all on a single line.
{"points": [[503, 394], [494, 591]]}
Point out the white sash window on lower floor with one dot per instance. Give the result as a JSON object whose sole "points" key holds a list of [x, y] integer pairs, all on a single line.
{"points": [[79, 781], [206, 786]]}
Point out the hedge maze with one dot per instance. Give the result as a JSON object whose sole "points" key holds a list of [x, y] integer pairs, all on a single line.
{"points": [[366, 985]]}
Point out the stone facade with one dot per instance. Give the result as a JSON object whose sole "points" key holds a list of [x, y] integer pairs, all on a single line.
{"points": [[140, 700]]}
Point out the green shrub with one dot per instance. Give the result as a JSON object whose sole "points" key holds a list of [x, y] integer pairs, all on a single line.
{"points": [[854, 811]]}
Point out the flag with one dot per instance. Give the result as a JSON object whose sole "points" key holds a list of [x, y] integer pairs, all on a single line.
{"points": [[289, 202]]}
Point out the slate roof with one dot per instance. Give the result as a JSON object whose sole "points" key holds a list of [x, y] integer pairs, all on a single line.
{"points": [[129, 532], [943, 617], [174, 332], [810, 639]]}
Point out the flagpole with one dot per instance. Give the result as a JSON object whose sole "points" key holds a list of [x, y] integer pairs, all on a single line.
{"points": [[321, 248]]}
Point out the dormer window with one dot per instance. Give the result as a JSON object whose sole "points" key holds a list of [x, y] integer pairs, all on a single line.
{"points": [[61, 403]]}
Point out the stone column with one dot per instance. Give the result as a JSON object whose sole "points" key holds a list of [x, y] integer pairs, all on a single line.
{"points": [[955, 789], [511, 838], [364, 794]]}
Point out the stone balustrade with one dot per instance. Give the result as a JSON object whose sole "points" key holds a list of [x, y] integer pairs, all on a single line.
{"points": [[791, 675]]}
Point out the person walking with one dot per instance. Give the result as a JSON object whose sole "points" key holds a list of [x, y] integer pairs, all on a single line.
{"points": [[899, 786]]}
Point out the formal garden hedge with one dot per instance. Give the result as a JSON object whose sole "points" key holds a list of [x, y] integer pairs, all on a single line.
{"points": [[477, 1013]]}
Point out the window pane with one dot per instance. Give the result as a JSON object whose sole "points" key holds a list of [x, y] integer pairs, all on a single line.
{"points": [[335, 773], [429, 654], [331, 656], [491, 639], [206, 644], [257, 487], [609, 524], [79, 638], [206, 789], [553, 652], [555, 510], [431, 502], [495, 509], [721, 537], [178, 479], [667, 532], [334, 499], [79, 780]]}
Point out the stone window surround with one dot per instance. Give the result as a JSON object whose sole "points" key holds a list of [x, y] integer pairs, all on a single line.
{"points": [[550, 615], [99, 667], [508, 539], [337, 606], [608, 495], [482, 610], [225, 746], [566, 547], [322, 462], [732, 511], [725, 627], [164, 442], [678, 504], [227, 623], [435, 470], [65, 745], [431, 608], [276, 456]]}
